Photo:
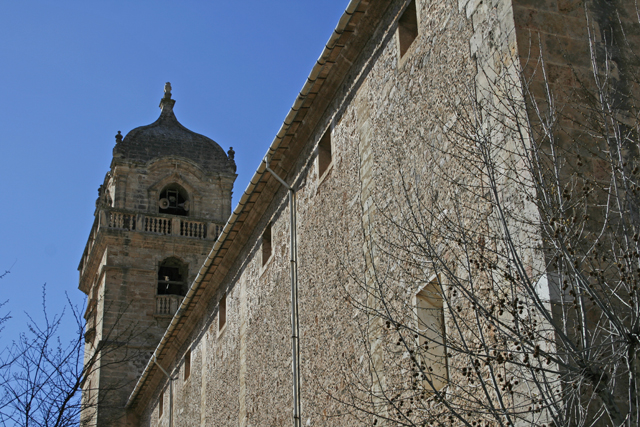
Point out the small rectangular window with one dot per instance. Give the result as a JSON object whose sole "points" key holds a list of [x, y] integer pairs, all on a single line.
{"points": [[187, 365], [431, 335], [324, 153], [266, 244], [408, 28], [161, 405], [222, 312]]}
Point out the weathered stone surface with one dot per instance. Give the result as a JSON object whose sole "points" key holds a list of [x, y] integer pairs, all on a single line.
{"points": [[395, 128], [380, 114]]}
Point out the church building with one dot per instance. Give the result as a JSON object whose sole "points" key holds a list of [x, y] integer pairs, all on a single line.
{"points": [[204, 314]]}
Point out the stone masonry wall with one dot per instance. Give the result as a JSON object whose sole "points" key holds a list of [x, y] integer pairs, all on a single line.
{"points": [[380, 121], [404, 132], [125, 299]]}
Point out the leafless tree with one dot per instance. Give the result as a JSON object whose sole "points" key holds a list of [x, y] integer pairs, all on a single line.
{"points": [[41, 381], [499, 284], [44, 372]]}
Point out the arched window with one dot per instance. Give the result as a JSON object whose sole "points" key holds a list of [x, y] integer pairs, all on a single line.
{"points": [[174, 200], [172, 277]]}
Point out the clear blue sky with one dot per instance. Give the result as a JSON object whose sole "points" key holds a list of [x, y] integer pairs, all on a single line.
{"points": [[73, 73]]}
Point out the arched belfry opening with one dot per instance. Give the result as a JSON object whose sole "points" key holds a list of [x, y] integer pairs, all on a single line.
{"points": [[172, 277], [174, 200]]}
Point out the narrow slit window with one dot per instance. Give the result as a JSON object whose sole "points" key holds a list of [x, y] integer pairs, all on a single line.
{"points": [[187, 365], [408, 27], [222, 312], [161, 405], [266, 244], [431, 336], [324, 153]]}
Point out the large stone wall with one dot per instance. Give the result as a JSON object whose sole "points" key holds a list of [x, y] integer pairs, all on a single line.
{"points": [[380, 121], [407, 135]]}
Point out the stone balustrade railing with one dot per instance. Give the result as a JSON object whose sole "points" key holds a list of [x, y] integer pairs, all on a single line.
{"points": [[167, 305], [164, 224]]}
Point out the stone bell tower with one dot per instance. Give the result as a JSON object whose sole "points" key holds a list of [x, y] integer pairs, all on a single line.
{"points": [[162, 204]]}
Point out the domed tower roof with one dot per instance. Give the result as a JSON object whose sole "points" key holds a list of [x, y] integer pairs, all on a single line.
{"points": [[166, 137]]}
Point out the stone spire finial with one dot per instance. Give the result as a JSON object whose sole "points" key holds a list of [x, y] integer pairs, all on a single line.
{"points": [[232, 155], [119, 137], [166, 103]]}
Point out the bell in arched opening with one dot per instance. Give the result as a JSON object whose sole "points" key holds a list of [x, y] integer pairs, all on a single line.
{"points": [[174, 200]]}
